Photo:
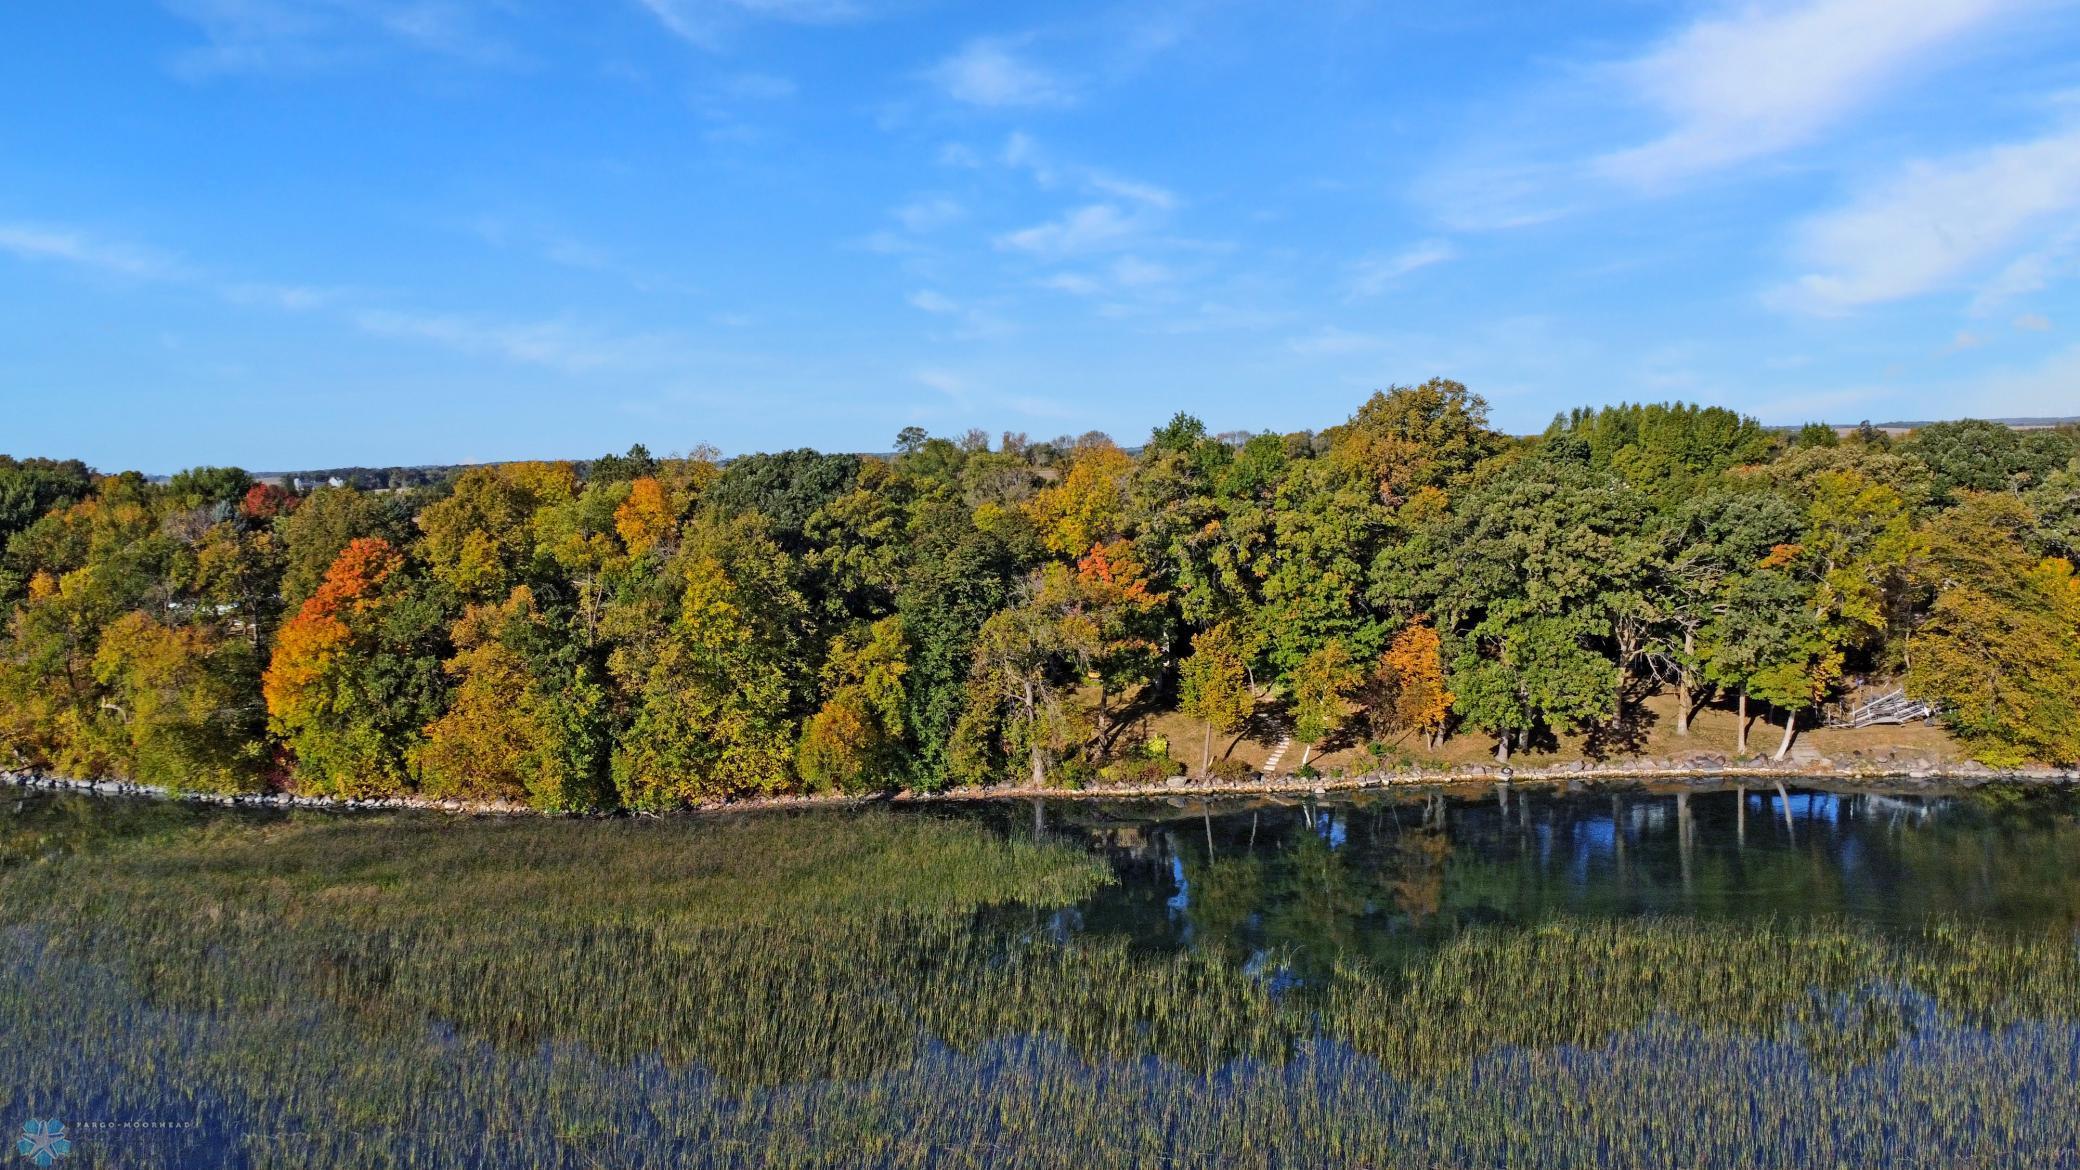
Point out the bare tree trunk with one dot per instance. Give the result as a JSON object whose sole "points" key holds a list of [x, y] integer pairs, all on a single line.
{"points": [[1741, 744], [1306, 750], [1790, 730], [1038, 759], [1683, 684], [1206, 767]]}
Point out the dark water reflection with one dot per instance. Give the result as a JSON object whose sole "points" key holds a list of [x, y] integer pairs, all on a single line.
{"points": [[1376, 875]]}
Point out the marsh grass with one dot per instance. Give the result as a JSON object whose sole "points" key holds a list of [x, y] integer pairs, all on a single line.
{"points": [[891, 990]]}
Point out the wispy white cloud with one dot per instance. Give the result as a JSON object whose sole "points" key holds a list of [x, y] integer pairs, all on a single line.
{"points": [[524, 234], [706, 24], [558, 344], [555, 344], [953, 385], [67, 245], [1037, 406], [556, 247], [1747, 82], [289, 298], [1092, 227], [1076, 284], [1021, 153], [2056, 254], [929, 213], [1132, 285], [1763, 78], [927, 301], [1934, 223], [973, 321], [1133, 190], [1135, 272], [2033, 322], [1372, 276], [1118, 213], [1812, 404], [987, 72], [293, 36]]}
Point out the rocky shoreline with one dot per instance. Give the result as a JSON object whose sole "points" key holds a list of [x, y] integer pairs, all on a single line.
{"points": [[1701, 767]]}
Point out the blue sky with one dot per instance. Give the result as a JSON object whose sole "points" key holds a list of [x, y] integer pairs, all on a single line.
{"points": [[294, 233]]}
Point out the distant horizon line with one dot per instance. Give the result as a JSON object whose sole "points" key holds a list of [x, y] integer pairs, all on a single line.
{"points": [[2016, 422]]}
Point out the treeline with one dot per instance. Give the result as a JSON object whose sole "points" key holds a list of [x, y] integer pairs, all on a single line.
{"points": [[657, 631]]}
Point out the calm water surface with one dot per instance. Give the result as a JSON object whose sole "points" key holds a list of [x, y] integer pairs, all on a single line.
{"points": [[1711, 978]]}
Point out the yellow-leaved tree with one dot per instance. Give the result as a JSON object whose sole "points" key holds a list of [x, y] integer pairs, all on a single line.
{"points": [[1407, 691]]}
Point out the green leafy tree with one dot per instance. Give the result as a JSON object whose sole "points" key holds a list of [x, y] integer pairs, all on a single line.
{"points": [[1706, 544], [1548, 555], [1766, 640], [1214, 685], [855, 740], [1021, 673], [1972, 455], [1321, 687]]}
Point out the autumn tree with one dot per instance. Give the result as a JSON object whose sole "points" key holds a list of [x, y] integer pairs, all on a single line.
{"points": [[1108, 601], [89, 564], [1411, 437], [2000, 648], [1407, 691], [481, 540], [1087, 506], [715, 698], [354, 678], [186, 719], [32, 488], [314, 534], [525, 718]]}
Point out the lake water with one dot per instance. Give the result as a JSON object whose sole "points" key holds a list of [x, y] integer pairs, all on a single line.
{"points": [[1482, 979]]}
